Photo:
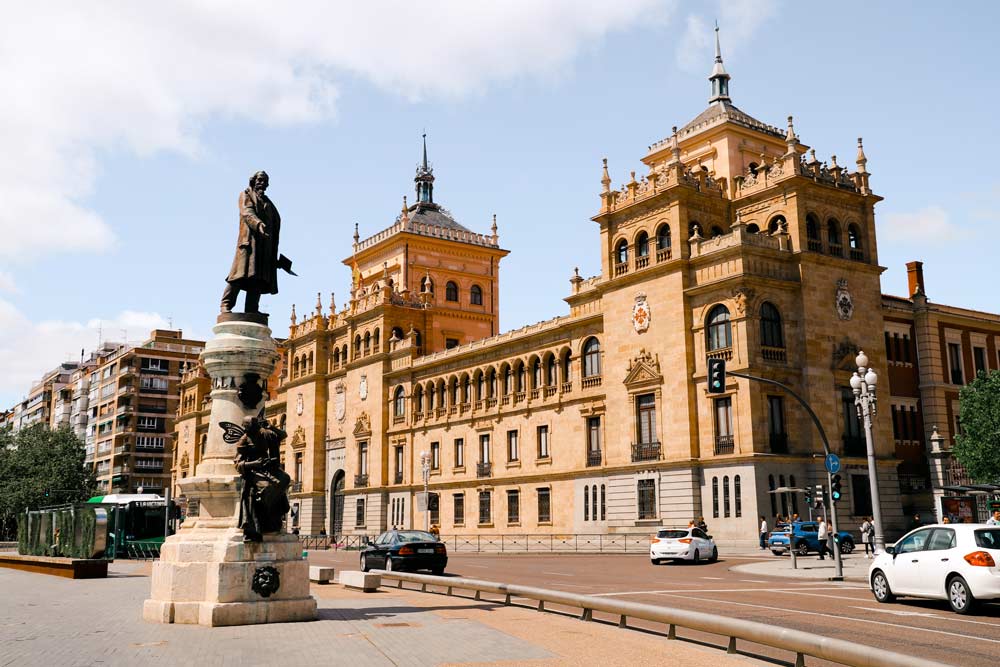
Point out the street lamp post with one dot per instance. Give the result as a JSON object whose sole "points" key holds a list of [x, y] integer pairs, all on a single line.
{"points": [[425, 467], [863, 384]]}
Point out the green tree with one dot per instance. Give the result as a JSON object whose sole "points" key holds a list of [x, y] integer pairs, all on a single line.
{"points": [[39, 467], [977, 447]]}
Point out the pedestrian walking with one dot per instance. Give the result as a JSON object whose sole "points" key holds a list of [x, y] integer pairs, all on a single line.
{"points": [[822, 534], [994, 520], [866, 530], [795, 518], [702, 524], [763, 532]]}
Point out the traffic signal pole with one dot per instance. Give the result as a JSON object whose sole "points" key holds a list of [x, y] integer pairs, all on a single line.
{"points": [[838, 563]]}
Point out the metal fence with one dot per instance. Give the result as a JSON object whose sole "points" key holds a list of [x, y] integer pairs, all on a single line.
{"points": [[551, 543], [799, 643], [335, 542], [142, 551]]}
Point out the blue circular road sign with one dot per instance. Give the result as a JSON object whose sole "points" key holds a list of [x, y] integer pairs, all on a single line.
{"points": [[832, 463]]}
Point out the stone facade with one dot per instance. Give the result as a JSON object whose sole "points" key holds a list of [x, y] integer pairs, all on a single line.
{"points": [[737, 243]]}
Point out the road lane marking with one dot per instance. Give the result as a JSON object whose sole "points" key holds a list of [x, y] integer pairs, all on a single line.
{"points": [[928, 614], [799, 612], [715, 578], [560, 574], [756, 581]]}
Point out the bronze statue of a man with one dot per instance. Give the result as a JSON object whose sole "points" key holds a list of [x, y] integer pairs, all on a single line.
{"points": [[264, 500], [255, 266]]}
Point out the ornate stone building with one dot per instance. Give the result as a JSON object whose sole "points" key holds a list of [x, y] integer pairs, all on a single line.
{"points": [[737, 243]]}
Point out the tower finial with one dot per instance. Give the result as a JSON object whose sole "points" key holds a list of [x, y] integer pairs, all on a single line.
{"points": [[356, 237], [719, 77], [605, 178], [861, 161], [293, 315], [424, 179], [424, 137]]}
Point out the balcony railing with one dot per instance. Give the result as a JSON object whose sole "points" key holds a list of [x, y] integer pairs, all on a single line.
{"points": [[836, 250], [724, 444], [645, 451], [776, 354], [857, 254], [549, 391], [721, 353], [663, 255], [621, 268], [593, 381], [361, 480], [398, 477], [815, 245], [567, 387], [594, 458], [484, 469], [642, 262], [491, 403], [779, 443], [855, 445]]}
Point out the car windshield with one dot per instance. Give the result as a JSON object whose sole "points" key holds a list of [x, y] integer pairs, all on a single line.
{"points": [[671, 534], [988, 538], [404, 536]]}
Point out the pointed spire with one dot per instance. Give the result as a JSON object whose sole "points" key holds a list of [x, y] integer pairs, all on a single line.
{"points": [[424, 179], [319, 304], [293, 315], [862, 161], [333, 305], [356, 237], [493, 227], [605, 178], [719, 77], [404, 215], [675, 147], [790, 139], [424, 137]]}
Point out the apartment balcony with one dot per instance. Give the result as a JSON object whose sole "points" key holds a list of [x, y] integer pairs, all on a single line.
{"points": [[773, 354], [621, 268], [663, 255], [592, 381], [139, 470], [484, 469], [724, 444], [594, 458], [721, 353], [127, 371], [645, 451], [121, 449], [642, 261], [779, 443], [361, 480]]}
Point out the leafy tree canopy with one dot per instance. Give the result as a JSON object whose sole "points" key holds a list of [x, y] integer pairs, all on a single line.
{"points": [[34, 461], [977, 447]]}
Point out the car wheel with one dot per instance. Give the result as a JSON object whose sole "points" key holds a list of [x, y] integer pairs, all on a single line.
{"points": [[959, 596], [715, 555], [364, 563], [802, 548], [388, 565], [777, 553], [437, 571], [880, 587], [654, 561], [697, 557], [847, 546]]}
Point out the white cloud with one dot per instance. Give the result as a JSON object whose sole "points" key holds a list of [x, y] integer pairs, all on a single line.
{"points": [[30, 349], [7, 283], [928, 225], [81, 77], [738, 23]]}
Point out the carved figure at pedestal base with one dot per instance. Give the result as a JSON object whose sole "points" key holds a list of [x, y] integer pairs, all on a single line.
{"points": [[264, 499]]}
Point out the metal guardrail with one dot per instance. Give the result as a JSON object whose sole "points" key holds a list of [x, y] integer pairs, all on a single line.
{"points": [[786, 639], [142, 551], [551, 543], [337, 542]]}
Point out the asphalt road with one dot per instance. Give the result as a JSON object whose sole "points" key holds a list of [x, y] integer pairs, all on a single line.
{"points": [[925, 628]]}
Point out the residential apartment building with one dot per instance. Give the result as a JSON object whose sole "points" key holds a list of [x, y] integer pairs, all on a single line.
{"points": [[132, 400], [48, 403]]}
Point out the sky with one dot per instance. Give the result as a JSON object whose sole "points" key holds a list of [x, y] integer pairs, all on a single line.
{"points": [[129, 129]]}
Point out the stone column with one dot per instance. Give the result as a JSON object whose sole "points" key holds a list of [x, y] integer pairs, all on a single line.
{"points": [[206, 573]]}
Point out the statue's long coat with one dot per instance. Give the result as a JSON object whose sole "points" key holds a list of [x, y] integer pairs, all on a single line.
{"points": [[255, 266]]}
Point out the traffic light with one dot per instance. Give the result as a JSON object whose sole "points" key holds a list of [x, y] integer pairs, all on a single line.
{"points": [[716, 376], [809, 497], [46, 493], [835, 484], [820, 497]]}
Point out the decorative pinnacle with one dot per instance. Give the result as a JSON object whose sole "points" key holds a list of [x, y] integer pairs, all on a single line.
{"points": [[605, 178], [293, 314], [493, 228], [424, 137], [356, 237], [790, 135], [718, 49], [833, 161], [333, 304], [319, 303], [862, 160]]}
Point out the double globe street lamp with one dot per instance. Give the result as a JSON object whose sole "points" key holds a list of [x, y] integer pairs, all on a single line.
{"points": [[863, 383]]}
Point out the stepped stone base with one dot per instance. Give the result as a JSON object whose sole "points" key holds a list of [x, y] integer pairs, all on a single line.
{"points": [[205, 577]]}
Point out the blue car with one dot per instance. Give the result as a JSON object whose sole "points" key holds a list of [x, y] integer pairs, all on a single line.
{"points": [[804, 539]]}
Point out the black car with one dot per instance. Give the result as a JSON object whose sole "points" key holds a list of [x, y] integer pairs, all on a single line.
{"points": [[405, 550]]}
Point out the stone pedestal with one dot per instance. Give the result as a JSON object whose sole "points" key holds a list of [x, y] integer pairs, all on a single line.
{"points": [[206, 572]]}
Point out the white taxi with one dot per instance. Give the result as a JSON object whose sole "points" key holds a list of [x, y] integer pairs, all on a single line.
{"points": [[682, 544], [955, 562]]}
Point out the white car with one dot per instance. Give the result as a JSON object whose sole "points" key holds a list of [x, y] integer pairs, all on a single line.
{"points": [[682, 544], [955, 562]]}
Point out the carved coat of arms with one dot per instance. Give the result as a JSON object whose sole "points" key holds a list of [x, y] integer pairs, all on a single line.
{"points": [[845, 304], [363, 387], [299, 405], [640, 313], [340, 402]]}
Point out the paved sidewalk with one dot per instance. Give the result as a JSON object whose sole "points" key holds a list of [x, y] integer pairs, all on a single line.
{"points": [[809, 567], [52, 621]]}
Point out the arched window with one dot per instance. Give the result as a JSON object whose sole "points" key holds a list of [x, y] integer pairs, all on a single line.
{"points": [[295, 368], [442, 393], [603, 504], [368, 343], [426, 285], [854, 241], [336, 357], [377, 338], [453, 392], [716, 231], [774, 499], [520, 377], [466, 389], [419, 399], [715, 497], [357, 346], [550, 370], [586, 503], [776, 224], [431, 396], [621, 252], [725, 496], [480, 382], [310, 362], [491, 382], [567, 366], [417, 338], [752, 228], [343, 353], [507, 378], [591, 358], [642, 245], [397, 333], [718, 331], [536, 373], [736, 496], [399, 403], [833, 236], [476, 295], [663, 242], [771, 334], [451, 291]]}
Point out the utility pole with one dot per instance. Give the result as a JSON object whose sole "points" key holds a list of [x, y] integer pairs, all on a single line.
{"points": [[863, 384], [425, 467]]}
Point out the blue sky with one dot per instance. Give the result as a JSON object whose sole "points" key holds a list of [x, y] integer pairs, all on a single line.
{"points": [[130, 135]]}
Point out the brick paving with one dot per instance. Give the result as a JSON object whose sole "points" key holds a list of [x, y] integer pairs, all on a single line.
{"points": [[51, 622]]}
